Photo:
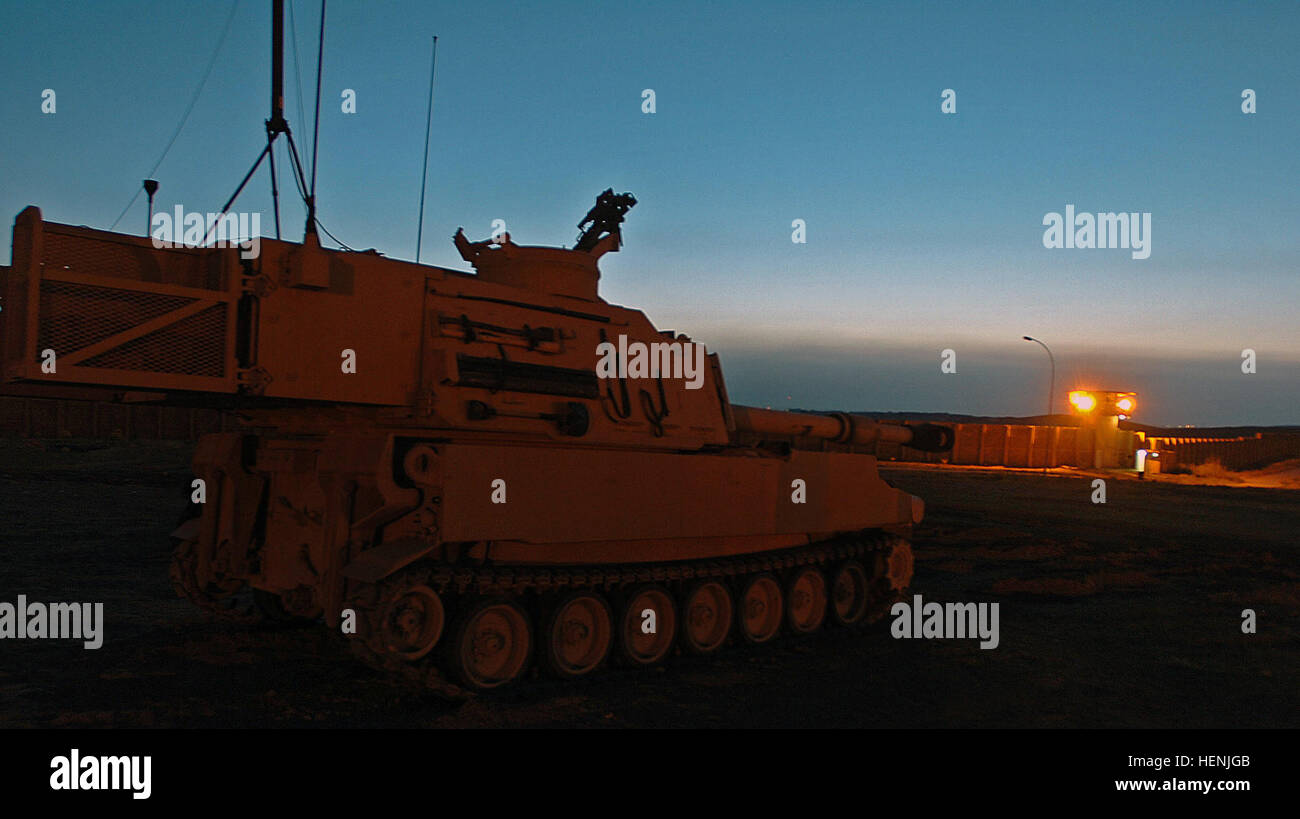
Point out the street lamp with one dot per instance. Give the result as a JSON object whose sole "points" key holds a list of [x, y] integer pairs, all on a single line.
{"points": [[150, 188], [1051, 390]]}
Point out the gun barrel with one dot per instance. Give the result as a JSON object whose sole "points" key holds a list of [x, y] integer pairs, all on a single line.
{"points": [[842, 427]]}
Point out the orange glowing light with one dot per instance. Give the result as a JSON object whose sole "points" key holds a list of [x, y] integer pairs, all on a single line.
{"points": [[1083, 401], [1125, 404]]}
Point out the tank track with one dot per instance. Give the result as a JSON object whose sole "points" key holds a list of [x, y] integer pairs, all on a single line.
{"points": [[888, 558]]}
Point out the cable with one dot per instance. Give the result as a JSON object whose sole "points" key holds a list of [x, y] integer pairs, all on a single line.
{"points": [[297, 178], [335, 238], [211, 62], [315, 136]]}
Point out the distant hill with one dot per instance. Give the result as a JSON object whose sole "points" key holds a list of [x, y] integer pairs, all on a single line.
{"points": [[1210, 432], [955, 418]]}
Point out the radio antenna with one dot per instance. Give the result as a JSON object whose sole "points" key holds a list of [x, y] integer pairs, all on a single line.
{"points": [[277, 125], [424, 169]]}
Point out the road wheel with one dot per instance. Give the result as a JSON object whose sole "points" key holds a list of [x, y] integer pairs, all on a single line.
{"points": [[849, 593], [706, 617], [647, 626], [579, 634], [760, 609], [411, 623], [492, 644], [806, 600]]}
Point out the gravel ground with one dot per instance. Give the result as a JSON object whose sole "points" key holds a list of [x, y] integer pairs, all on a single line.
{"points": [[1123, 614]]}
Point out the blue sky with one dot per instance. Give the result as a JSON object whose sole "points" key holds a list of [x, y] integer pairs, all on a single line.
{"points": [[924, 230]]}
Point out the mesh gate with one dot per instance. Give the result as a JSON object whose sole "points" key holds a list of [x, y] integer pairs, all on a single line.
{"points": [[116, 311]]}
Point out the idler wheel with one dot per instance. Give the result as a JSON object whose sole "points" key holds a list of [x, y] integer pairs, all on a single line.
{"points": [[706, 617], [492, 644], [850, 591], [580, 633], [412, 622], [806, 600], [647, 626], [761, 609]]}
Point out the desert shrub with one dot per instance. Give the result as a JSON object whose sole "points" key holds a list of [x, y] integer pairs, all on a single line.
{"points": [[1210, 469]]}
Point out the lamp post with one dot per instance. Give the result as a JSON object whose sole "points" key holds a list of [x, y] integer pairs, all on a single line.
{"points": [[1051, 390], [150, 188]]}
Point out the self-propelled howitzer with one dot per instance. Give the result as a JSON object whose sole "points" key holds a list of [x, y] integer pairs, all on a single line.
{"points": [[467, 474]]}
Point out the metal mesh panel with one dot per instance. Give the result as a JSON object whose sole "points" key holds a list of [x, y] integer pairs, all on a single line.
{"points": [[101, 257], [193, 346], [74, 316]]}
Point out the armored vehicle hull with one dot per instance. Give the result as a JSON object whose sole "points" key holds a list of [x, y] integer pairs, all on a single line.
{"points": [[466, 475]]}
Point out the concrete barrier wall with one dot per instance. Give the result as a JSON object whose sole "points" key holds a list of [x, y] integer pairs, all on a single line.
{"points": [[1023, 445], [1233, 453], [1015, 445], [1018, 445]]}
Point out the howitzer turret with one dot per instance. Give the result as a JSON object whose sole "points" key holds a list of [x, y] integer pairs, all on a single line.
{"points": [[466, 474]]}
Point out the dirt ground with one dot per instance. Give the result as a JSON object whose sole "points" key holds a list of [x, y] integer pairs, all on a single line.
{"points": [[1122, 614], [1280, 475]]}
